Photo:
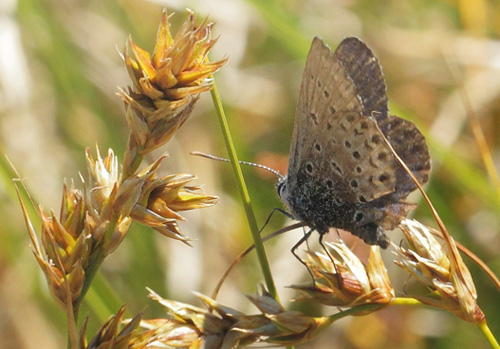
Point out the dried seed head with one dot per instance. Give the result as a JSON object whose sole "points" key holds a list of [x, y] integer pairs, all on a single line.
{"points": [[187, 326], [65, 248], [162, 198], [348, 283], [103, 179], [221, 326], [108, 200], [441, 270], [112, 334], [166, 85]]}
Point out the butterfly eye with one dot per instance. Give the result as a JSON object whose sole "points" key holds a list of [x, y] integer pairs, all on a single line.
{"points": [[280, 186]]}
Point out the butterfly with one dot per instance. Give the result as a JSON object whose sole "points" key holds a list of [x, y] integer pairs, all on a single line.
{"points": [[341, 173]]}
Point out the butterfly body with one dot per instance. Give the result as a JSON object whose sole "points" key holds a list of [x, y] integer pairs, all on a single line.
{"points": [[341, 172]]}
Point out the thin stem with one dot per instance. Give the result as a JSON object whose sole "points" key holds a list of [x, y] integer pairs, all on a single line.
{"points": [[242, 189], [131, 159], [247, 251], [90, 273], [355, 311], [405, 301], [373, 307], [95, 262], [483, 326]]}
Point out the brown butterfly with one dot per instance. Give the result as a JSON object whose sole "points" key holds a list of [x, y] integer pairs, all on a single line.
{"points": [[341, 173]]}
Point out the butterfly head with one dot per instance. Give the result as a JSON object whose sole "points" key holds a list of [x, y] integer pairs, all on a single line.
{"points": [[281, 186], [283, 190]]}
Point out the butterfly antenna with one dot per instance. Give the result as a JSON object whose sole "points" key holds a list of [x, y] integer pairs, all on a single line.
{"points": [[213, 157]]}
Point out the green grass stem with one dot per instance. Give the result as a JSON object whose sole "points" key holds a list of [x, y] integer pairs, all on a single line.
{"points": [[245, 197]]}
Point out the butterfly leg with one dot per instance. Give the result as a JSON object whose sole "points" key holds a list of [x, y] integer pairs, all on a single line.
{"points": [[276, 209], [297, 245], [339, 279]]}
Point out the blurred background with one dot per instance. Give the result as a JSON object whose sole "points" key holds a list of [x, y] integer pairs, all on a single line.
{"points": [[59, 72]]}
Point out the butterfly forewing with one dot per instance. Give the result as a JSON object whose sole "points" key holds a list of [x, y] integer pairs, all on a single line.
{"points": [[333, 138], [316, 103]]}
